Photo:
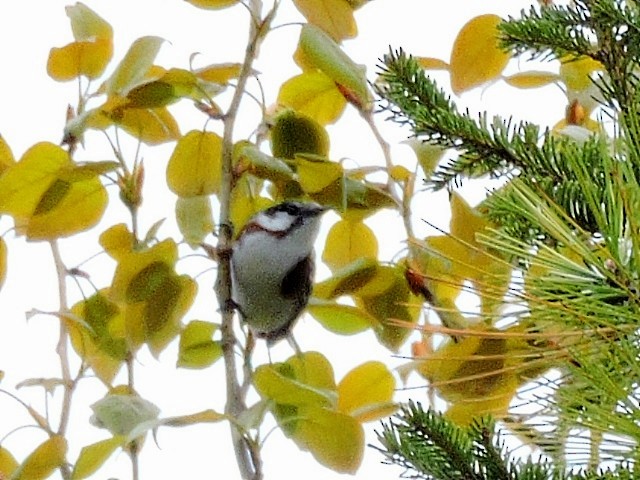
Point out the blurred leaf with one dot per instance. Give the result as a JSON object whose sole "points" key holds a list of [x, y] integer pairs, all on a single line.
{"points": [[356, 196], [315, 173], [396, 302], [430, 63], [169, 88], [340, 319], [99, 340], [6, 156], [576, 72], [335, 17], [265, 166], [326, 55], [195, 219], [93, 456], [532, 79], [428, 155], [335, 440], [347, 241], [366, 392], [120, 414], [212, 4], [197, 348], [151, 126], [88, 58], [306, 379], [43, 461], [135, 64], [347, 280], [117, 240], [293, 133], [476, 57], [43, 205], [8, 463], [86, 24], [313, 94], [3, 261], [194, 168], [220, 73], [205, 416]]}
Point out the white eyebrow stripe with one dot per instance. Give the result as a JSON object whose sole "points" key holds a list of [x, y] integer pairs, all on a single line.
{"points": [[279, 222]]}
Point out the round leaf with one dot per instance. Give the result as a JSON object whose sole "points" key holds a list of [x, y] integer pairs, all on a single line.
{"points": [[476, 57], [197, 349], [313, 94], [194, 168], [366, 392], [195, 219], [340, 319], [347, 241], [335, 17]]}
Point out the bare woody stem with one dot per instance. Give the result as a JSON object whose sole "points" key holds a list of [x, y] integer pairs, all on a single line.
{"points": [[62, 349], [246, 451]]}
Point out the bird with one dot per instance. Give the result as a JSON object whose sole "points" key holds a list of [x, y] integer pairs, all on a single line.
{"points": [[272, 266]]}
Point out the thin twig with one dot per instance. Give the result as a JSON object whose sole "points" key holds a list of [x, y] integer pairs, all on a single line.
{"points": [[62, 350], [247, 454]]}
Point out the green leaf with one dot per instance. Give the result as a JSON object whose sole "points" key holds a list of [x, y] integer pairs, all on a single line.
{"points": [[93, 456], [195, 219], [197, 349], [86, 24], [294, 133], [265, 166], [326, 55], [120, 414]]}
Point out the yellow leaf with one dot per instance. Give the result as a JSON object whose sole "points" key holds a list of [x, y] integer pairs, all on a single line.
{"points": [[220, 73], [476, 57], [323, 53], [315, 95], [93, 456], [6, 156], [3, 261], [347, 280], [86, 24], [306, 379], [316, 173], [42, 202], [428, 155], [117, 240], [43, 461], [194, 168], [97, 335], [212, 4], [532, 79], [340, 319], [365, 387], [8, 463], [347, 241], [334, 439], [430, 63], [335, 17], [152, 126], [576, 72], [134, 66], [79, 58], [205, 416], [395, 302], [197, 349]]}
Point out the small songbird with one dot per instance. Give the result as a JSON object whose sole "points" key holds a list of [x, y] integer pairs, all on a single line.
{"points": [[272, 267]]}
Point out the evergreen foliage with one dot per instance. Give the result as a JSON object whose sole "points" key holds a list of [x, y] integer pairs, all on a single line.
{"points": [[568, 217]]}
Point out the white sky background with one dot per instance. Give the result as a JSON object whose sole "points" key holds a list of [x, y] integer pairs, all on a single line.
{"points": [[32, 109]]}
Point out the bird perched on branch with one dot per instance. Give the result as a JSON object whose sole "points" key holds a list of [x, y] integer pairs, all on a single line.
{"points": [[272, 267]]}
